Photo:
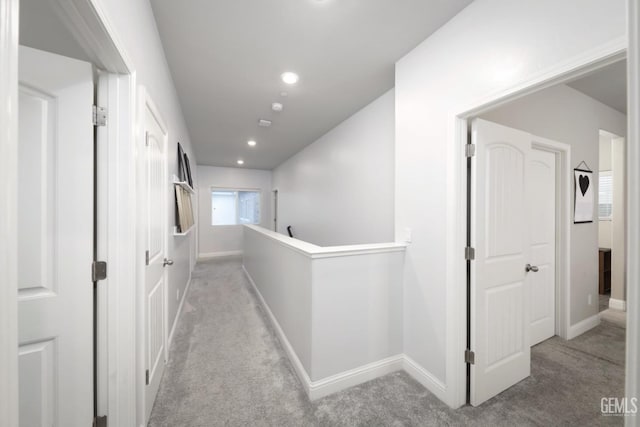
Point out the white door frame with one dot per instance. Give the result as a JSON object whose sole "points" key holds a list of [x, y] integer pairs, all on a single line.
{"points": [[456, 283], [633, 207], [8, 212], [86, 20]]}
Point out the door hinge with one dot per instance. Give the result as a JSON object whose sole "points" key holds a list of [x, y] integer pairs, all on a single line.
{"points": [[100, 421], [98, 270], [469, 150], [146, 139], [469, 357], [99, 116], [146, 377], [146, 258], [469, 253]]}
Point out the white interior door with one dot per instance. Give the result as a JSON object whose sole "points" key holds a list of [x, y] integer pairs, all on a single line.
{"points": [[155, 286], [541, 195], [55, 240], [500, 325]]}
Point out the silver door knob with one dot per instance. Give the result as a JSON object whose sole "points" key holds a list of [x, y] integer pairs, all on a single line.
{"points": [[167, 262], [530, 267]]}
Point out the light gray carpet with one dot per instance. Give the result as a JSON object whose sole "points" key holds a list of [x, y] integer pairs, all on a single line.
{"points": [[227, 368]]}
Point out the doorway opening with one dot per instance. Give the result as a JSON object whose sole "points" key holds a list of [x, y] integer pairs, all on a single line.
{"points": [[521, 146], [86, 155]]}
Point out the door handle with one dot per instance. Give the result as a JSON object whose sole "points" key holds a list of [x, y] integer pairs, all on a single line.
{"points": [[166, 262], [530, 267]]}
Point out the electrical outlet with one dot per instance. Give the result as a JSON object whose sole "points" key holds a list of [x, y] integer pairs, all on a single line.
{"points": [[590, 299], [177, 294]]}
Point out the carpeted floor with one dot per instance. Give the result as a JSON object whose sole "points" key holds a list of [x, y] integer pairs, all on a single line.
{"points": [[227, 368]]}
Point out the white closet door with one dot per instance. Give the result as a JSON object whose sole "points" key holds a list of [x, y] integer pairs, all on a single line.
{"points": [[500, 325], [55, 240]]}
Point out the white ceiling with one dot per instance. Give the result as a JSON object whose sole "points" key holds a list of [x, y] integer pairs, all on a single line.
{"points": [[607, 85], [226, 58]]}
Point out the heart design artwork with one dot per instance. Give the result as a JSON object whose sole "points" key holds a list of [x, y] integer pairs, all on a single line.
{"points": [[583, 181]]}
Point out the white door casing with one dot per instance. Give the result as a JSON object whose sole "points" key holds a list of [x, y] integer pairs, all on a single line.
{"points": [[55, 240], [541, 195], [156, 233], [499, 315]]}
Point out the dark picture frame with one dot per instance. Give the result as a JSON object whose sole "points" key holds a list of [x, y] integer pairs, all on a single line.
{"points": [[584, 199]]}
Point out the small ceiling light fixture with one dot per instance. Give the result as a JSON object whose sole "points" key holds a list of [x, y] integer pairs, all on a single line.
{"points": [[240, 162], [251, 143], [276, 106], [264, 123], [290, 78]]}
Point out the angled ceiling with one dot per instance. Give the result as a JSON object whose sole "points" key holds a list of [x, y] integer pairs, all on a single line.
{"points": [[607, 85], [226, 58]]}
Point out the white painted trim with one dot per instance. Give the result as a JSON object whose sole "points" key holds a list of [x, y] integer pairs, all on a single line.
{"points": [[583, 326], [632, 374], [90, 29], [424, 377], [617, 304], [8, 213], [224, 254], [456, 284], [313, 251], [353, 377], [178, 313]]}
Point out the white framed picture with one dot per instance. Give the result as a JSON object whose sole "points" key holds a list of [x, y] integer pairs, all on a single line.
{"points": [[584, 196]]}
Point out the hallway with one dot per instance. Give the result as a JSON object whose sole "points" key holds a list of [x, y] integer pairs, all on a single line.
{"points": [[226, 367]]}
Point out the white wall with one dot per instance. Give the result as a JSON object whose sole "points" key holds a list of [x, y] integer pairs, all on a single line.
{"points": [[134, 26], [565, 115], [339, 308], [339, 190], [491, 47], [226, 239]]}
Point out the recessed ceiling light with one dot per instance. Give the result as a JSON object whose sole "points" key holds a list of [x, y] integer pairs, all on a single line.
{"points": [[276, 106], [251, 143], [290, 78], [240, 162], [264, 123]]}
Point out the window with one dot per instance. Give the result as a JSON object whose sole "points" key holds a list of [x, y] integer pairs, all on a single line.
{"points": [[232, 207], [605, 196]]}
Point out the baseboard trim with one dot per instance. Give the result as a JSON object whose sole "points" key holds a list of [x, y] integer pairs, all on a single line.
{"points": [[212, 255], [179, 312], [583, 326], [617, 304], [354, 377], [424, 377]]}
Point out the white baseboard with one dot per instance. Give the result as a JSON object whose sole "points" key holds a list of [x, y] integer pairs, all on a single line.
{"points": [[425, 378], [583, 326], [179, 312], [617, 304], [353, 377], [212, 255]]}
